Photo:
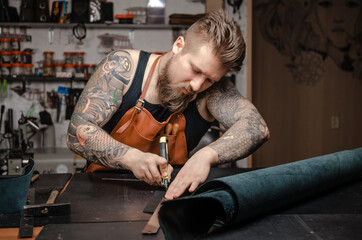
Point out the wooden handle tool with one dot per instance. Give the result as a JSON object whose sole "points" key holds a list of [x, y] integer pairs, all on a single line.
{"points": [[168, 129], [175, 128], [53, 195]]}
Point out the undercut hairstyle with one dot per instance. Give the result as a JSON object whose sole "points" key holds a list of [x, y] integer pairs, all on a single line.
{"points": [[223, 33]]}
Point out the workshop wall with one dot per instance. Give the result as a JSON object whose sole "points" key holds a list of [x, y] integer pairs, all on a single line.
{"points": [[63, 41], [307, 80]]}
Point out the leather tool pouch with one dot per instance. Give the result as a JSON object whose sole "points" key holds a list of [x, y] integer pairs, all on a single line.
{"points": [[140, 130]]}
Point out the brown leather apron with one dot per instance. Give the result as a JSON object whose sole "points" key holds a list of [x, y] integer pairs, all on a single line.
{"points": [[140, 130]]}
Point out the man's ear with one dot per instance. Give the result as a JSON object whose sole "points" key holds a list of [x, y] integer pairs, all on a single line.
{"points": [[178, 45]]}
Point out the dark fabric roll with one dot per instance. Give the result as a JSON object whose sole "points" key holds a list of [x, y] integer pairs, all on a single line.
{"points": [[14, 190], [232, 199]]}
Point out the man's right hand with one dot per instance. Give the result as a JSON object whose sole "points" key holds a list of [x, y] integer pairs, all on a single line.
{"points": [[147, 167]]}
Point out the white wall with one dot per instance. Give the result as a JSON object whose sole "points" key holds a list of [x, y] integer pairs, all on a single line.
{"points": [[149, 40]]}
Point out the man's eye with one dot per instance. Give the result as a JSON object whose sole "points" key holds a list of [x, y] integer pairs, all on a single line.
{"points": [[195, 71]]}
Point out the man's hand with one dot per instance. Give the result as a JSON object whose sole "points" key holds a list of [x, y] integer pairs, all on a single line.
{"points": [[193, 173], [147, 167]]}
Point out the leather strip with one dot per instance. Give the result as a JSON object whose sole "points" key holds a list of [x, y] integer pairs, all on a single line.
{"points": [[153, 225], [149, 77]]}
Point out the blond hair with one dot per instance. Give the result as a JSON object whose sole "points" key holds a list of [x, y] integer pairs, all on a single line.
{"points": [[223, 33]]}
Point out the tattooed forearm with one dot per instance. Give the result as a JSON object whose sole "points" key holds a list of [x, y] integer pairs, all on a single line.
{"points": [[92, 143], [99, 100], [246, 128]]}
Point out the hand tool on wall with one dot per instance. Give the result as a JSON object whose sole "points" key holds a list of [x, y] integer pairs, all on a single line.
{"points": [[4, 88], [1, 116], [236, 6], [80, 32]]}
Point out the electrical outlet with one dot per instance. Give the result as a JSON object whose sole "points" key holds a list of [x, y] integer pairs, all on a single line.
{"points": [[335, 122]]}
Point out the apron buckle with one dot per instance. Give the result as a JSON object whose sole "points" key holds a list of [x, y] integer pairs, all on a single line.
{"points": [[139, 108]]}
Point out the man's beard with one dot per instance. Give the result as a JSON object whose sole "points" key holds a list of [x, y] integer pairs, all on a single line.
{"points": [[170, 95]]}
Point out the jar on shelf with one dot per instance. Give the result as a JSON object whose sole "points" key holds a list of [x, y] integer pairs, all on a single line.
{"points": [[22, 32], [27, 57], [5, 69], [38, 70], [58, 67], [70, 69], [68, 58], [6, 57], [48, 69], [28, 68], [17, 56], [15, 43], [48, 57], [140, 14], [6, 44], [79, 58], [90, 69], [5, 30], [79, 68], [16, 69]]}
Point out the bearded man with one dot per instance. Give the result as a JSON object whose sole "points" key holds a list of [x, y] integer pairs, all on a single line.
{"points": [[134, 95]]}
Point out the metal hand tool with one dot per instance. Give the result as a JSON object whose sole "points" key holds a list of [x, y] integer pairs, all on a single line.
{"points": [[164, 154], [48, 209]]}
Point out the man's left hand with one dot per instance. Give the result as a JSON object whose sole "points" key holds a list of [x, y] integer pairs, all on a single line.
{"points": [[193, 173]]}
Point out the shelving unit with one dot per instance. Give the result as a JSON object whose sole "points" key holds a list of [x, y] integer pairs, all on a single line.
{"points": [[176, 28], [34, 78], [51, 26], [93, 25]]}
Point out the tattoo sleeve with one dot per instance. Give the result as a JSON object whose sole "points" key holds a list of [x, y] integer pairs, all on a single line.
{"points": [[246, 129], [99, 100]]}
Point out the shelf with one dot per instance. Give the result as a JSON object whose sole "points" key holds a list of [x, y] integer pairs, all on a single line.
{"points": [[94, 25], [34, 78]]}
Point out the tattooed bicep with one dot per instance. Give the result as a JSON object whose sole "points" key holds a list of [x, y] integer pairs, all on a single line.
{"points": [[225, 103], [104, 91], [119, 65]]}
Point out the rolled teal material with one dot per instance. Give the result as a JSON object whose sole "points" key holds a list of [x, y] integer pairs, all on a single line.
{"points": [[14, 190], [232, 199]]}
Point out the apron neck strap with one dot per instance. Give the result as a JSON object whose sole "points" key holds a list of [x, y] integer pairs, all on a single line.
{"points": [[149, 77]]}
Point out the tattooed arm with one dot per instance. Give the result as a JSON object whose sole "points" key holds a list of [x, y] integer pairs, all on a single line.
{"points": [[246, 132], [247, 129], [99, 100]]}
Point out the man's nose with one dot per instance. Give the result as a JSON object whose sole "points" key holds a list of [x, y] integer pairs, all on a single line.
{"points": [[196, 83]]}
